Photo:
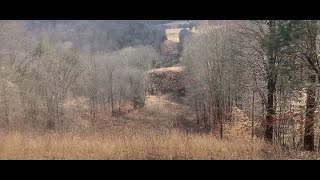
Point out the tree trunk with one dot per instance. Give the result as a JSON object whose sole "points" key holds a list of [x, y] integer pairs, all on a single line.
{"points": [[93, 110], [310, 108], [229, 96], [6, 111], [270, 111], [6, 106], [120, 96], [271, 85], [219, 115], [51, 114], [197, 111], [111, 94], [221, 125], [204, 115], [252, 114]]}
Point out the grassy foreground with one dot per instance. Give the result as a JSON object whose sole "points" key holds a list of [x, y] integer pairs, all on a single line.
{"points": [[147, 133], [131, 145]]}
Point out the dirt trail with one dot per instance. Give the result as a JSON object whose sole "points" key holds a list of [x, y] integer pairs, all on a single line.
{"points": [[160, 113]]}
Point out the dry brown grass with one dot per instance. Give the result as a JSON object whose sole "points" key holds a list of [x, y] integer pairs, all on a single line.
{"points": [[169, 69], [126, 144], [146, 133], [138, 144]]}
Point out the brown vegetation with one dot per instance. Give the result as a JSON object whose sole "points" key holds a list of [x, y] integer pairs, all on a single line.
{"points": [[126, 144], [152, 132], [234, 85], [166, 80]]}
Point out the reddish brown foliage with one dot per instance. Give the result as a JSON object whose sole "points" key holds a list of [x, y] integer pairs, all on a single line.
{"points": [[283, 117]]}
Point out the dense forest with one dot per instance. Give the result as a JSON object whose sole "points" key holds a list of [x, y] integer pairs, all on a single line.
{"points": [[223, 81]]}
